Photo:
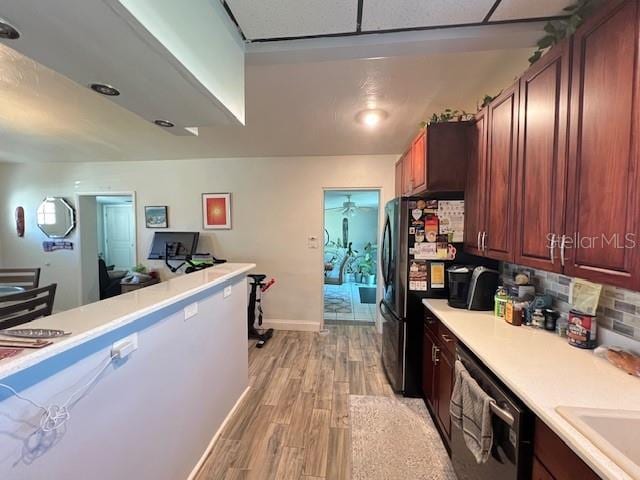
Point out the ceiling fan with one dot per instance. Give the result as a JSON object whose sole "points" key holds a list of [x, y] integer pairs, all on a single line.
{"points": [[349, 208]]}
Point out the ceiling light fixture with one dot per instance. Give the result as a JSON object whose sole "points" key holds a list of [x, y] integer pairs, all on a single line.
{"points": [[371, 117], [8, 31], [105, 89], [164, 123]]}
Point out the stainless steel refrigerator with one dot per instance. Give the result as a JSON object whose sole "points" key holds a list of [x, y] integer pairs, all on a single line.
{"points": [[421, 239]]}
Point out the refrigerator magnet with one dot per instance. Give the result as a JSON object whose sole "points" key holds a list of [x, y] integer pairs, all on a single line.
{"points": [[416, 213], [412, 230], [437, 275]]}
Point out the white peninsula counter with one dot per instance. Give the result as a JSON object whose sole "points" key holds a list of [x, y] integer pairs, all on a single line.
{"points": [[150, 415]]}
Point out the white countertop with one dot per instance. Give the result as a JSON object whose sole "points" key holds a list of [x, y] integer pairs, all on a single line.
{"points": [[546, 372], [96, 319]]}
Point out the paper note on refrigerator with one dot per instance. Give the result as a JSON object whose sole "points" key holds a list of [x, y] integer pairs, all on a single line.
{"points": [[451, 216]]}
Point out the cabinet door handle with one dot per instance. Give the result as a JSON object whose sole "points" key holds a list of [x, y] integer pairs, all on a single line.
{"points": [[433, 353], [553, 247], [484, 240], [447, 338], [562, 245], [436, 350], [478, 243]]}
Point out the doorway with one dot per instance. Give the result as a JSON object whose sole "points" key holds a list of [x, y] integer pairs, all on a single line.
{"points": [[351, 219], [107, 242]]}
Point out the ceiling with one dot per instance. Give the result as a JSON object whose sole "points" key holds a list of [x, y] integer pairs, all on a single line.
{"points": [[293, 109], [270, 20], [302, 96], [100, 41], [362, 198]]}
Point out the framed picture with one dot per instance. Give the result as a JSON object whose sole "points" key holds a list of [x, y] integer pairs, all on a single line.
{"points": [[216, 211], [156, 217]]}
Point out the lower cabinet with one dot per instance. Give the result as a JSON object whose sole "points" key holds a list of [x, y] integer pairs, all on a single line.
{"points": [[554, 460], [437, 372]]}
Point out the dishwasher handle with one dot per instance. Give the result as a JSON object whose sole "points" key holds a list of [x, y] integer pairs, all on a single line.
{"points": [[502, 414]]}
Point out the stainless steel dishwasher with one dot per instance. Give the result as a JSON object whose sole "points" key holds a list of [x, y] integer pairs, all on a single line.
{"points": [[512, 450]]}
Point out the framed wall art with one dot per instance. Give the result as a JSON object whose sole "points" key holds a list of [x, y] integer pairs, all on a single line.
{"points": [[156, 217], [216, 211]]}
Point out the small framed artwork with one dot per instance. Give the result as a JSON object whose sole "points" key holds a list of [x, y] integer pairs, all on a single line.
{"points": [[156, 217], [216, 211]]}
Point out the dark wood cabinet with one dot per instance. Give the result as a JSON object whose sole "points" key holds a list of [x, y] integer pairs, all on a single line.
{"points": [[500, 175], [444, 387], [474, 215], [436, 160], [398, 178], [602, 196], [428, 367], [553, 459], [541, 172], [439, 346], [419, 163], [407, 173]]}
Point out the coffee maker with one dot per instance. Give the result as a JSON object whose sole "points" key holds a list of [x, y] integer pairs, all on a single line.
{"points": [[459, 280], [471, 287]]}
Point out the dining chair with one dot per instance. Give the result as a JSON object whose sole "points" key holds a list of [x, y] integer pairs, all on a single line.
{"points": [[20, 277], [23, 307]]}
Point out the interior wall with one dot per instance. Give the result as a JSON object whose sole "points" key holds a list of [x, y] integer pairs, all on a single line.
{"points": [[277, 204]]}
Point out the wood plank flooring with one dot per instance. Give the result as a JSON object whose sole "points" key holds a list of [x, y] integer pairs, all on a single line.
{"points": [[294, 421]]}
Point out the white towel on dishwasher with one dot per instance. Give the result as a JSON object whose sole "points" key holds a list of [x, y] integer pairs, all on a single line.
{"points": [[471, 412]]}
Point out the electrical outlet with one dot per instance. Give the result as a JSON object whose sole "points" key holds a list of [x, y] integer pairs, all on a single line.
{"points": [[125, 346], [226, 292], [190, 311]]}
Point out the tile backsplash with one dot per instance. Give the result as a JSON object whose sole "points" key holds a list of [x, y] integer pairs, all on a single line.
{"points": [[618, 309]]}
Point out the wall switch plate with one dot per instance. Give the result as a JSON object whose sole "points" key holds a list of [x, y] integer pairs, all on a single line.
{"points": [[190, 311], [125, 346], [312, 242], [226, 292]]}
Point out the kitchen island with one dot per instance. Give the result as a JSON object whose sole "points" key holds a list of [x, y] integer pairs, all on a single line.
{"points": [[151, 414], [545, 373]]}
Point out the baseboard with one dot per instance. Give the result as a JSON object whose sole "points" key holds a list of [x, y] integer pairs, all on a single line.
{"points": [[207, 451], [299, 325]]}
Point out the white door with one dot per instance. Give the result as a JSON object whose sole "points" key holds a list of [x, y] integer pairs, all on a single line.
{"points": [[119, 236]]}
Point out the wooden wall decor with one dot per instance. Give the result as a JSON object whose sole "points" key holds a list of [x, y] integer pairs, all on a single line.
{"points": [[20, 221]]}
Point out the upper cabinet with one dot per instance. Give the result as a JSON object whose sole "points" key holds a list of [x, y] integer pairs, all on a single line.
{"points": [[553, 185], [399, 170], [540, 182], [474, 216], [497, 239], [602, 200], [437, 159]]}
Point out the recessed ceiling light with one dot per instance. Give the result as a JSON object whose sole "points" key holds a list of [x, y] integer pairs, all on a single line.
{"points": [[8, 31], [105, 89], [371, 117], [164, 123]]}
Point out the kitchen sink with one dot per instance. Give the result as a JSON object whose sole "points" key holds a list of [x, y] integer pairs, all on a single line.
{"points": [[615, 432]]}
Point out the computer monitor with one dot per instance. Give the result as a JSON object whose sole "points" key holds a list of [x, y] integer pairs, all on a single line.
{"points": [[181, 245]]}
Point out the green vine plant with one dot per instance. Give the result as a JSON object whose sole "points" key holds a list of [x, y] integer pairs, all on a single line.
{"points": [[558, 30], [448, 115]]}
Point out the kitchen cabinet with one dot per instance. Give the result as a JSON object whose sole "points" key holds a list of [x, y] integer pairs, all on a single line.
{"points": [[436, 160], [438, 372], [601, 231], [475, 186], [540, 182], [500, 175], [419, 163], [398, 177], [490, 186], [407, 172], [553, 459]]}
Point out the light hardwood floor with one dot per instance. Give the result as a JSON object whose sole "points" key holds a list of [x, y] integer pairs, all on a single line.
{"points": [[294, 421]]}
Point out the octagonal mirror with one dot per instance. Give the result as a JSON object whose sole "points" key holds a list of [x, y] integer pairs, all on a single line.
{"points": [[56, 218]]}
